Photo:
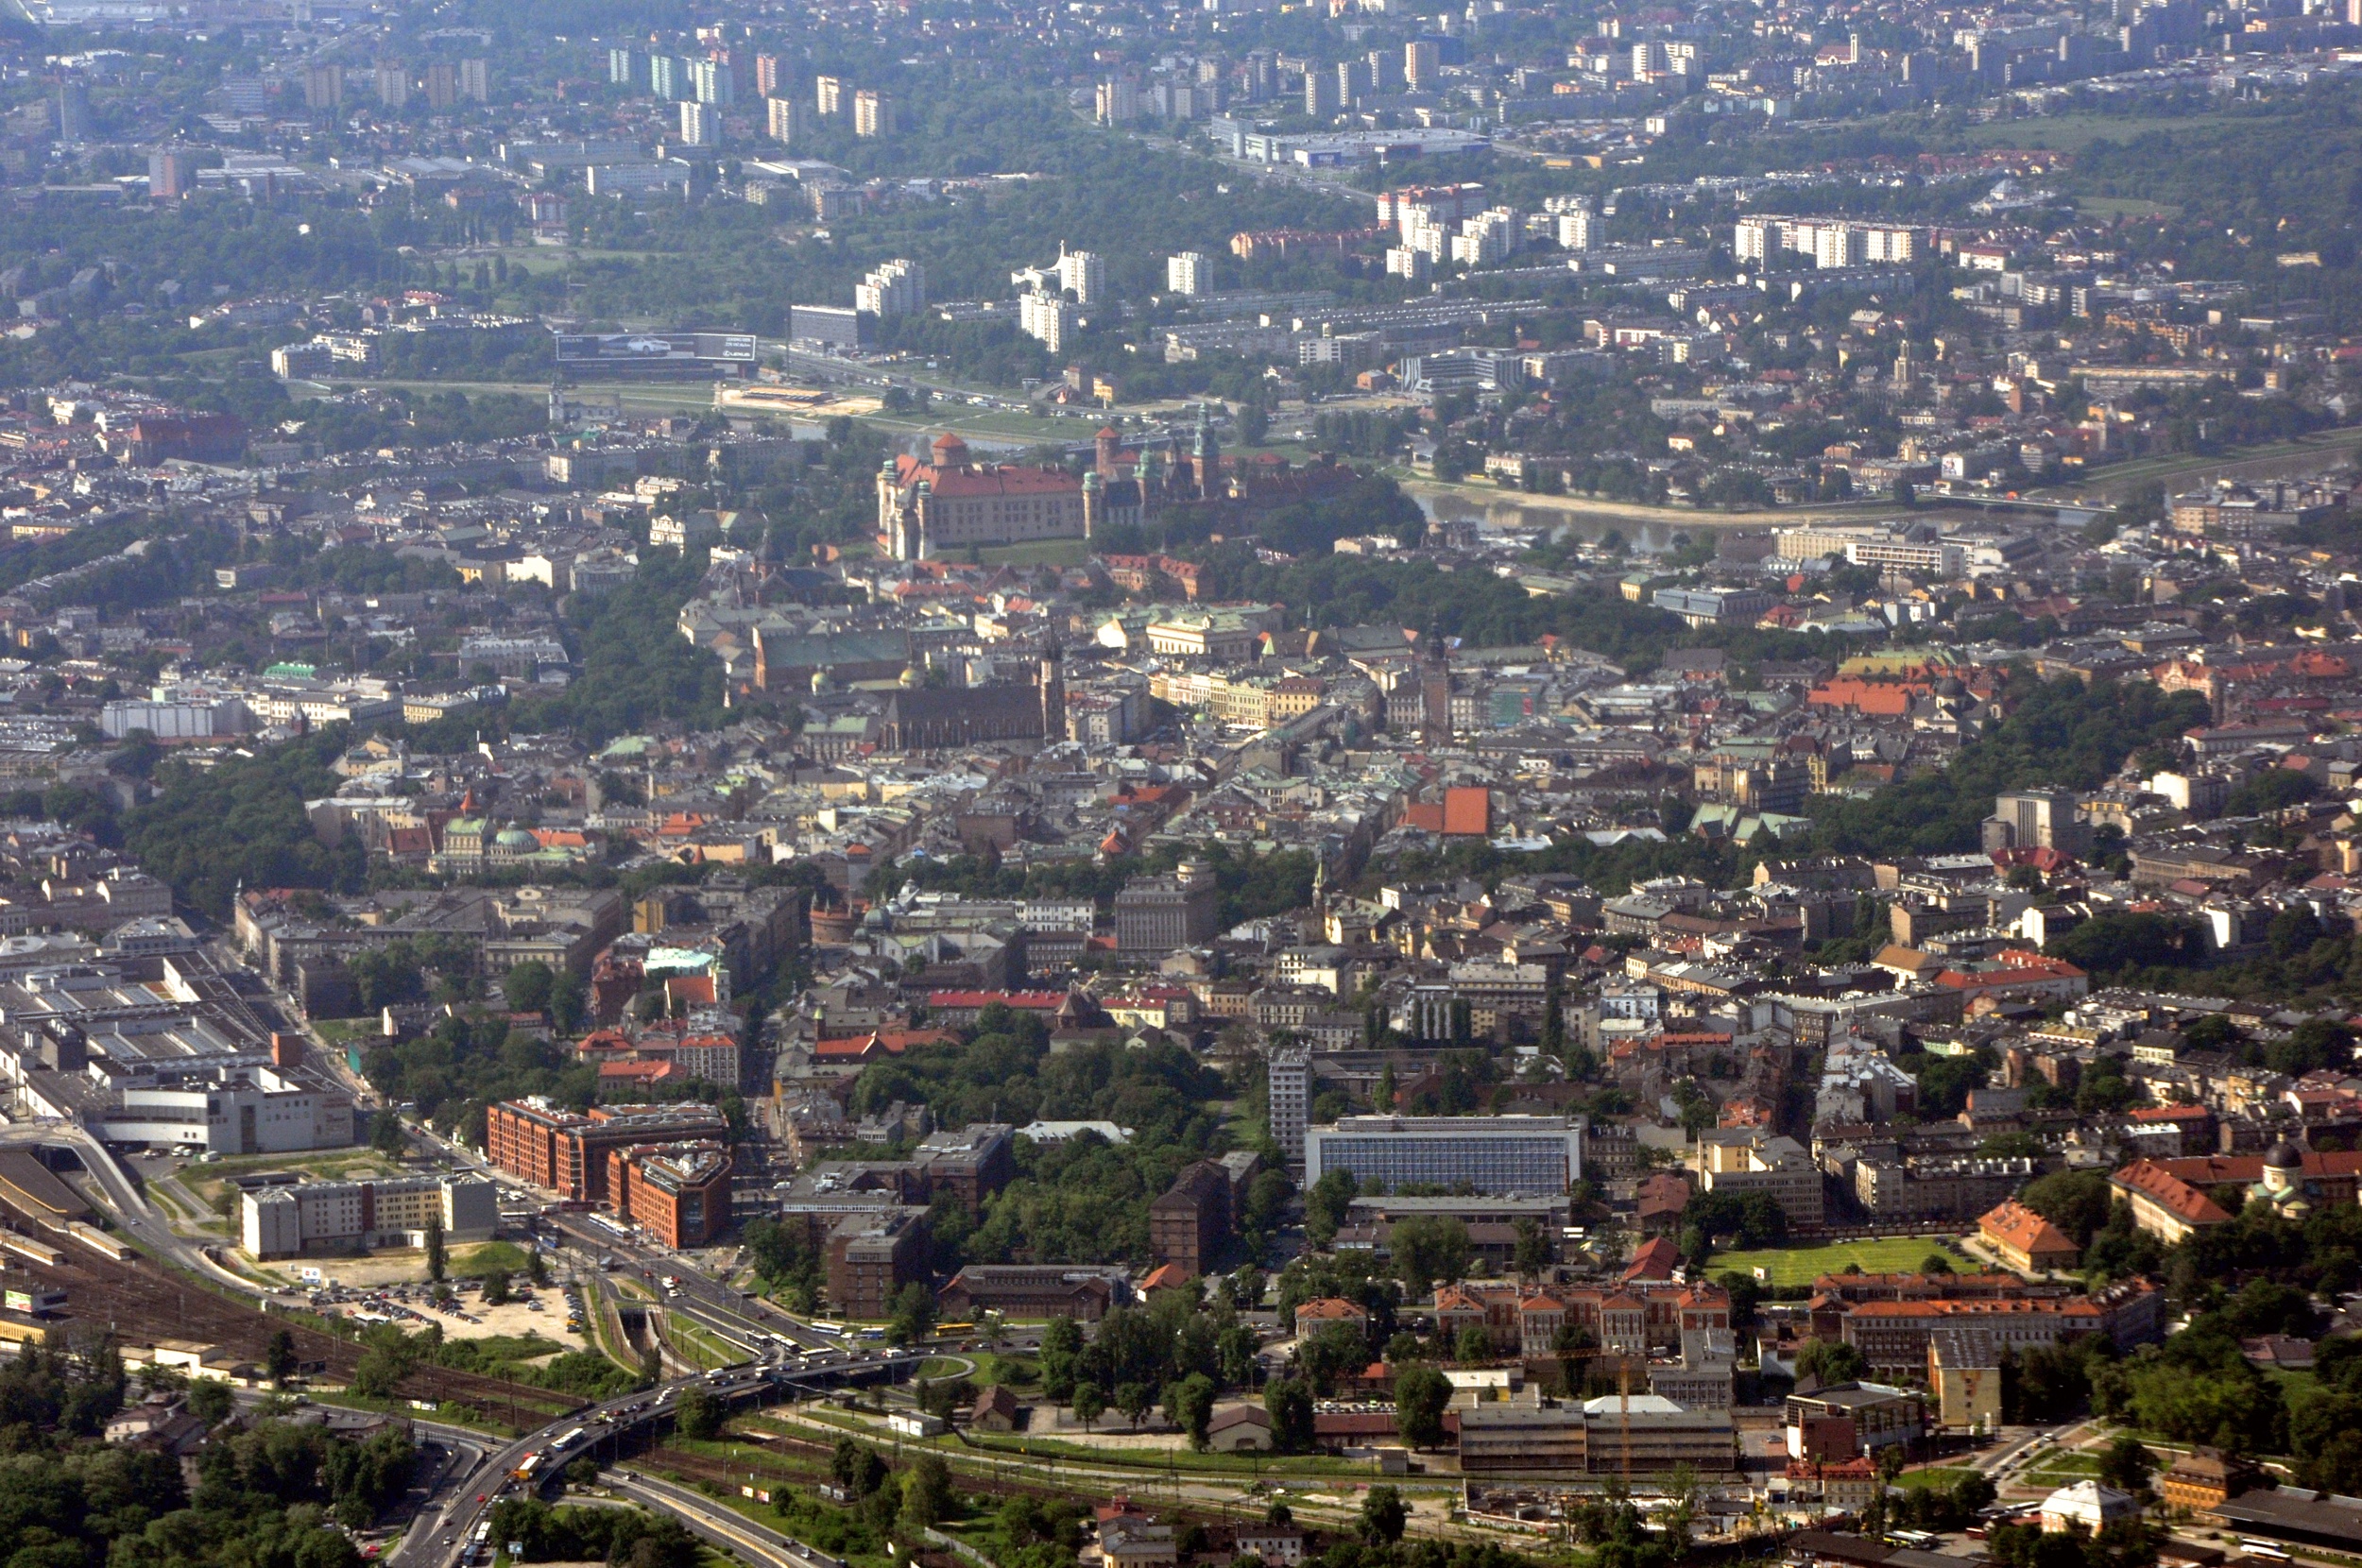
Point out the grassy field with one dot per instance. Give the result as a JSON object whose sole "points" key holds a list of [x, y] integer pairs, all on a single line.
{"points": [[1041, 553], [695, 1345], [1935, 1478], [478, 1261], [1792, 1266]]}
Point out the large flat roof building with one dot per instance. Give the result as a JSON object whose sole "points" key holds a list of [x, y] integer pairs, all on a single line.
{"points": [[1529, 1155], [565, 1152], [309, 1217]]}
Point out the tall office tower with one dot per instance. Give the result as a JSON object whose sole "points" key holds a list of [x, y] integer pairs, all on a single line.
{"points": [[1288, 1097]]}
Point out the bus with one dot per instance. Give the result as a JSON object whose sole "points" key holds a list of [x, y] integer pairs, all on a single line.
{"points": [[569, 1440], [954, 1331], [2264, 1548]]}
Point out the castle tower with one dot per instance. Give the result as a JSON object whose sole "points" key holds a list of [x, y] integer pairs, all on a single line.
{"points": [[1107, 446], [1052, 682], [1205, 458], [1094, 503]]}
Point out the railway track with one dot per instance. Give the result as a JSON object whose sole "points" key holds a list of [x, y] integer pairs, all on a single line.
{"points": [[763, 1462], [142, 1301]]}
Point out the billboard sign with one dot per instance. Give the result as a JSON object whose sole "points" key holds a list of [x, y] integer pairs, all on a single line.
{"points": [[655, 351]]}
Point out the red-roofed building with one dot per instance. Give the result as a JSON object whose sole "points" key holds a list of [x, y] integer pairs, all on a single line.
{"points": [[2024, 1240], [953, 503], [958, 1009], [2164, 1204], [2017, 975], [1653, 1259]]}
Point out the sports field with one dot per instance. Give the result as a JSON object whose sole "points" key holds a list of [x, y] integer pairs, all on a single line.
{"points": [[1790, 1266]]}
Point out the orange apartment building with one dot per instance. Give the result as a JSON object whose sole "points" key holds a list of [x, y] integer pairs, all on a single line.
{"points": [[680, 1193], [566, 1152]]}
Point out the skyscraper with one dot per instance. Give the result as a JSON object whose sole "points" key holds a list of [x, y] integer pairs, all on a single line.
{"points": [[393, 84], [700, 123], [1287, 1097], [874, 114], [475, 80]]}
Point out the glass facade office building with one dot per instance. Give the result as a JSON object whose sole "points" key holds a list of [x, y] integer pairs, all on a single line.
{"points": [[1488, 1155]]}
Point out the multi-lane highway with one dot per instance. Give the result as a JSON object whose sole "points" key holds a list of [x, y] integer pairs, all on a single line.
{"points": [[444, 1534]]}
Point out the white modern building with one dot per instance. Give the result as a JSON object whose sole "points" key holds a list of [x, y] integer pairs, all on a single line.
{"points": [[1189, 273], [1531, 1155], [308, 1217]]}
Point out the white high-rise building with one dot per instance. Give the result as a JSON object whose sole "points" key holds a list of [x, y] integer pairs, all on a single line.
{"points": [[700, 125], [1837, 244], [1189, 273], [1119, 101], [1288, 1096], [897, 288], [712, 82], [1577, 231], [1083, 275], [1050, 317]]}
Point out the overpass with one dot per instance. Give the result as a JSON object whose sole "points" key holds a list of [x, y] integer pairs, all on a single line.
{"points": [[526, 1466]]}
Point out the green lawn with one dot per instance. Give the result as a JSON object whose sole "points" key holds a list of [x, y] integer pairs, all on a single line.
{"points": [[493, 1255], [1794, 1266], [1934, 1479], [1042, 552]]}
